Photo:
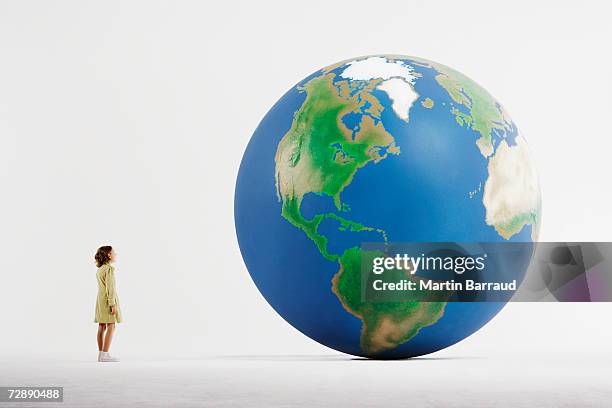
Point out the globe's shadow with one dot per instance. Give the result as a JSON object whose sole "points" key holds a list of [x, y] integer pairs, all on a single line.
{"points": [[331, 358], [412, 359]]}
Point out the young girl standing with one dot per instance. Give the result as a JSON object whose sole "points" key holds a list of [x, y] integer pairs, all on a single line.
{"points": [[108, 311]]}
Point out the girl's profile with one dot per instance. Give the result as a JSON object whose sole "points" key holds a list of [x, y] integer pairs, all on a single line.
{"points": [[108, 311]]}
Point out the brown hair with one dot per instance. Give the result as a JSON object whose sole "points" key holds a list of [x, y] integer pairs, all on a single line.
{"points": [[103, 255]]}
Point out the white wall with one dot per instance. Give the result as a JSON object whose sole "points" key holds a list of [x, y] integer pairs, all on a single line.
{"points": [[125, 122]]}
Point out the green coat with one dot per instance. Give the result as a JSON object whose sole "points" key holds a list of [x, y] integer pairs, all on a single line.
{"points": [[107, 296]]}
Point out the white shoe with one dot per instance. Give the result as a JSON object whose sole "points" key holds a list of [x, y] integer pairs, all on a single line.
{"points": [[105, 357]]}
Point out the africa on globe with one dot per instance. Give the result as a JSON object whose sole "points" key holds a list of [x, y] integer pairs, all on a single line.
{"points": [[381, 148]]}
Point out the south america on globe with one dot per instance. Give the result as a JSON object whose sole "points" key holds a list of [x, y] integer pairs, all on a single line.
{"points": [[381, 148]]}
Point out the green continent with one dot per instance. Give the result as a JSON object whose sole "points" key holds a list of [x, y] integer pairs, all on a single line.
{"points": [[385, 324], [320, 155]]}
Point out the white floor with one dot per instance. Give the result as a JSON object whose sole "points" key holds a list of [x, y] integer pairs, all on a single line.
{"points": [[323, 381]]}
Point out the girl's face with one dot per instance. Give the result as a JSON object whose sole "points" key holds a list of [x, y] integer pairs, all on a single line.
{"points": [[112, 255]]}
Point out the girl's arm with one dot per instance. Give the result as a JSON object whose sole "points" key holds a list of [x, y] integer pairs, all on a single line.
{"points": [[110, 287]]}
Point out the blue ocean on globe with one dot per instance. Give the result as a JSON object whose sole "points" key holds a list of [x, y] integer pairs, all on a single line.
{"points": [[378, 148]]}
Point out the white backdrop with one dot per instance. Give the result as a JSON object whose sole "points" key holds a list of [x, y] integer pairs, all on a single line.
{"points": [[124, 124]]}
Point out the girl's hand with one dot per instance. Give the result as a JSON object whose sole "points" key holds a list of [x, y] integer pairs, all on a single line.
{"points": [[113, 310]]}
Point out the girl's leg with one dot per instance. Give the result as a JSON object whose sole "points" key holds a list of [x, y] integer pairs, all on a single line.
{"points": [[108, 338], [101, 330]]}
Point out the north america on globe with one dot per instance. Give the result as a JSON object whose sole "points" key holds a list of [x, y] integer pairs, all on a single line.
{"points": [[379, 148]]}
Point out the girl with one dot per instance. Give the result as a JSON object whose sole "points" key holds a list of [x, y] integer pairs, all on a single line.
{"points": [[108, 311]]}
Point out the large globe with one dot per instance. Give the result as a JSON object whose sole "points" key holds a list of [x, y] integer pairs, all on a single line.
{"points": [[380, 148]]}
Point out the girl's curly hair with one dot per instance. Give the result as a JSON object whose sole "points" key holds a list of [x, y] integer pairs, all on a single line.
{"points": [[103, 255]]}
